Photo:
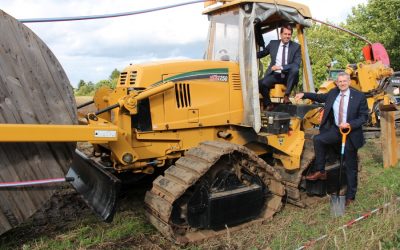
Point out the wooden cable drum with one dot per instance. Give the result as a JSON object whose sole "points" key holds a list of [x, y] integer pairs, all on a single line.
{"points": [[34, 89]]}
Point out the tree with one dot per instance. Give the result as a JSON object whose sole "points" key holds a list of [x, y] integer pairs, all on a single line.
{"points": [[107, 83], [86, 89], [90, 88], [114, 78], [326, 45], [379, 22], [81, 84], [115, 74]]}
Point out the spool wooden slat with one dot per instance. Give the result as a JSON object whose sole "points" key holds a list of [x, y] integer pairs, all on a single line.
{"points": [[34, 89]]}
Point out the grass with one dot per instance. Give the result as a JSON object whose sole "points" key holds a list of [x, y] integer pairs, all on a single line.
{"points": [[289, 229], [90, 233]]}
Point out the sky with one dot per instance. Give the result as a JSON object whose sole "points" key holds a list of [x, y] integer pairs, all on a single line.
{"points": [[91, 50]]}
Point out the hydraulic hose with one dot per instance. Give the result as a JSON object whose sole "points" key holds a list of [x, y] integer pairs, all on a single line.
{"points": [[34, 182]]}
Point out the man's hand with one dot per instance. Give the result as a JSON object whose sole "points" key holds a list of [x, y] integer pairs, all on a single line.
{"points": [[299, 96], [276, 67], [344, 125]]}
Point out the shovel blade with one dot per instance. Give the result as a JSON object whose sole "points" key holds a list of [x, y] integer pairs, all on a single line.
{"points": [[337, 205], [98, 188]]}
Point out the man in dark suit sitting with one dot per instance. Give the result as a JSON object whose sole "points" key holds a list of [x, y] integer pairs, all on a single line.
{"points": [[284, 66], [344, 108]]}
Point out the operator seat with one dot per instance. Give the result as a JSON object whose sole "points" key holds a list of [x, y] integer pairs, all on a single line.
{"points": [[278, 91]]}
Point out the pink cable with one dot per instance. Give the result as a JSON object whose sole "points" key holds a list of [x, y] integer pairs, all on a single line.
{"points": [[33, 182]]}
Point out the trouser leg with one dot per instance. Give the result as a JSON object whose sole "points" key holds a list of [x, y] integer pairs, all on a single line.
{"points": [[322, 142], [350, 159], [265, 86], [291, 80]]}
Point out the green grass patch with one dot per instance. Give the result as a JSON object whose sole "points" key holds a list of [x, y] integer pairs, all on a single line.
{"points": [[128, 226], [91, 233]]}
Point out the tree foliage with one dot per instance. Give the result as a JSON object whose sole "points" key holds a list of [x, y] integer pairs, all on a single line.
{"points": [[379, 21], [89, 88], [328, 46], [85, 88]]}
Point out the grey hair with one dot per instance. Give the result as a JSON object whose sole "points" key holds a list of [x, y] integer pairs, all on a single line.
{"points": [[343, 74]]}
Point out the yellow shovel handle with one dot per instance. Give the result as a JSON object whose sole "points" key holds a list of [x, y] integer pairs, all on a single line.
{"points": [[344, 132]]}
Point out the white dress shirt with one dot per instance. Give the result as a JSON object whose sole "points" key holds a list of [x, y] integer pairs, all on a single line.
{"points": [[278, 60], [345, 105]]}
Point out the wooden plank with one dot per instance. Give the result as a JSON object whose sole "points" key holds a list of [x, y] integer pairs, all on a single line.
{"points": [[388, 139], [398, 148], [34, 89]]}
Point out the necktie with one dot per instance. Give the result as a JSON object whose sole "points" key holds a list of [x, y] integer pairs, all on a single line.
{"points": [[283, 61], [283, 55], [341, 108]]}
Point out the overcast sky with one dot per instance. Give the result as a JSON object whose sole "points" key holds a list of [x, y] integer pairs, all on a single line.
{"points": [[90, 50]]}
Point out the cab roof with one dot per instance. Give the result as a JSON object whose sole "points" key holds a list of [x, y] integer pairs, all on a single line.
{"points": [[301, 8]]}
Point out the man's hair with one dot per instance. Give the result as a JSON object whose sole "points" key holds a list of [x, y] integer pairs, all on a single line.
{"points": [[288, 27], [343, 74]]}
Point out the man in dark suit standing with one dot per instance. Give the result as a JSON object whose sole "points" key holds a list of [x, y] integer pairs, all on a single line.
{"points": [[344, 108], [284, 66]]}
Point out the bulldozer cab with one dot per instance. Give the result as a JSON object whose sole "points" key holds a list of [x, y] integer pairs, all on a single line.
{"points": [[238, 29]]}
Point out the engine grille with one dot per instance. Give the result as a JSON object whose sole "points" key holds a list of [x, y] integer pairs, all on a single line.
{"points": [[122, 78], [236, 84], [182, 94], [132, 77]]}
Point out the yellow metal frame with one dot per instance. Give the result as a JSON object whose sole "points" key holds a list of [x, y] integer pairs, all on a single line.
{"points": [[306, 72], [290, 146], [99, 133]]}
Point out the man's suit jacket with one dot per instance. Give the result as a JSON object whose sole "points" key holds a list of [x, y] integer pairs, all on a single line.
{"points": [[357, 113], [293, 59]]}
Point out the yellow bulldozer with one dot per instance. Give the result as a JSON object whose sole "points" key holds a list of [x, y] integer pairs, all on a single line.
{"points": [[224, 161]]}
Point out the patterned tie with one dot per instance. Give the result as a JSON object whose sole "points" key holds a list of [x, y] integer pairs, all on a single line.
{"points": [[283, 62], [341, 108]]}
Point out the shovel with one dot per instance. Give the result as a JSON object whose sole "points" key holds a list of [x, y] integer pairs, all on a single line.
{"points": [[338, 201]]}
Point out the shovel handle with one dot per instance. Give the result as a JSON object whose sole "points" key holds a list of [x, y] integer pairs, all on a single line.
{"points": [[344, 132]]}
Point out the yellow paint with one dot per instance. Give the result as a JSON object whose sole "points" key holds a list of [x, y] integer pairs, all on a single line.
{"points": [[278, 91], [290, 146], [302, 42], [57, 133]]}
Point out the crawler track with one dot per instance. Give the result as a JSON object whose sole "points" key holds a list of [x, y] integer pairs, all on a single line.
{"points": [[292, 179], [188, 170]]}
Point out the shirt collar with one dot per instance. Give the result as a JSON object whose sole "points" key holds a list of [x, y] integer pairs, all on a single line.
{"points": [[281, 44], [346, 93]]}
